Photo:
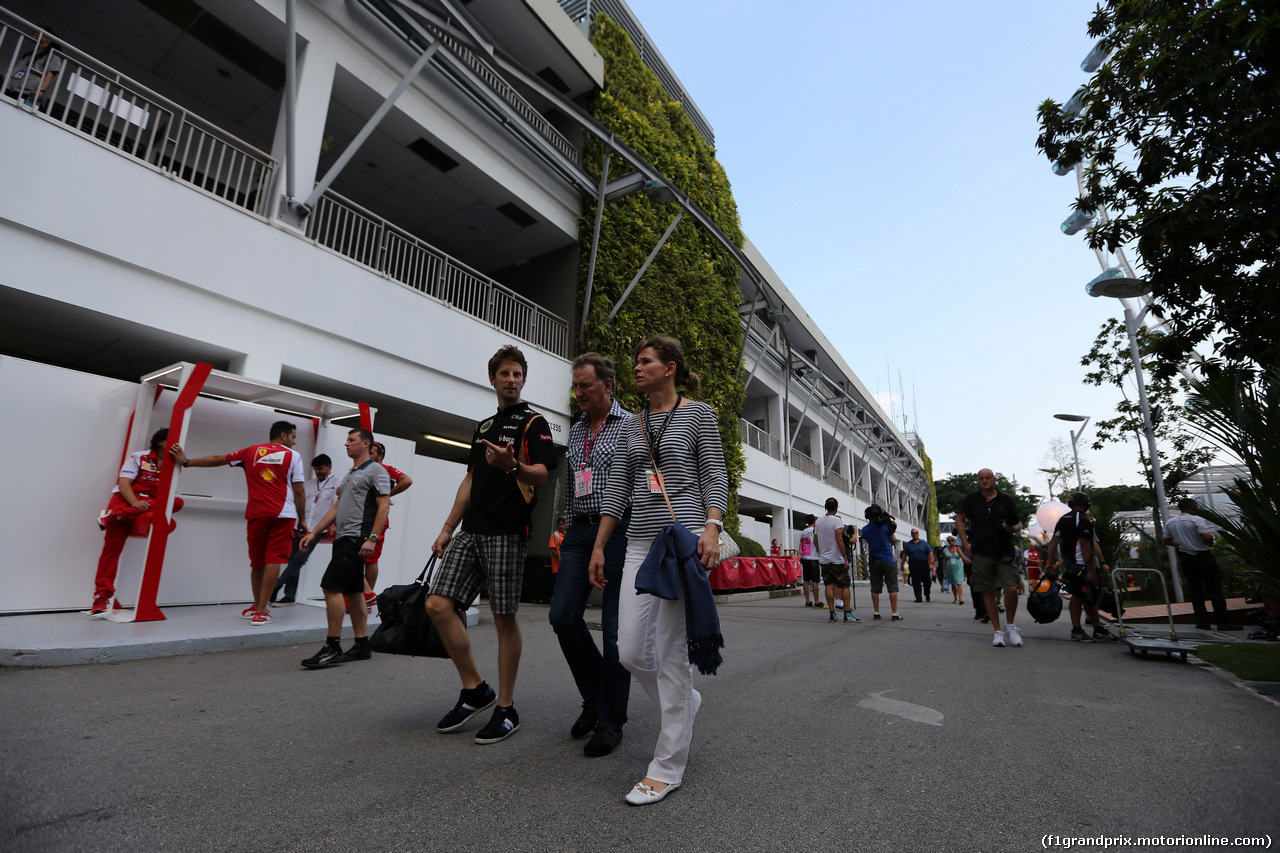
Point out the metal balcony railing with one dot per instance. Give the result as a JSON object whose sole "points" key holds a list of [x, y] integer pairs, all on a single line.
{"points": [[755, 437], [862, 495], [805, 465], [499, 86], [95, 101], [838, 482], [370, 240]]}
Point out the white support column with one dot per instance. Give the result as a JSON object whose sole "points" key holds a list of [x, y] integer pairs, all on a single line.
{"points": [[778, 420], [316, 69]]}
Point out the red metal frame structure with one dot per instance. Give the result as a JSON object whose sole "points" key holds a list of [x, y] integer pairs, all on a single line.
{"points": [[191, 381]]}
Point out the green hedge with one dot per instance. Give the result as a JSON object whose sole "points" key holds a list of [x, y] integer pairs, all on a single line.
{"points": [[691, 288], [749, 547]]}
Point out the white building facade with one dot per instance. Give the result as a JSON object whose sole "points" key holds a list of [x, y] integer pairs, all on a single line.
{"points": [[165, 200]]}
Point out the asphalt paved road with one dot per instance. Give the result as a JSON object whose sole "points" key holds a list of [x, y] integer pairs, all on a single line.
{"points": [[813, 737]]}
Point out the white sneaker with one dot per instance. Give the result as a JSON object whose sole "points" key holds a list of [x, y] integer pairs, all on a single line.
{"points": [[1012, 634], [998, 639]]}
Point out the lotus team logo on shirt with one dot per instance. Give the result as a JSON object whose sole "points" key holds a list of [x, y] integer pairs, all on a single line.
{"points": [[484, 427]]}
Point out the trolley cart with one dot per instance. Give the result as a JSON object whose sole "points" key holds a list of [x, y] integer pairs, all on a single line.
{"points": [[1137, 643]]}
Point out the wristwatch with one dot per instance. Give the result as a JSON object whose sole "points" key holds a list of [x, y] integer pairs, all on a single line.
{"points": [[717, 522], [373, 537]]}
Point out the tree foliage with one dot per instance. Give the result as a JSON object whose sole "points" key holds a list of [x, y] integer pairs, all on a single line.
{"points": [[1122, 498], [1060, 462], [1181, 125], [1239, 410], [951, 491], [691, 288], [1111, 363], [1111, 533]]}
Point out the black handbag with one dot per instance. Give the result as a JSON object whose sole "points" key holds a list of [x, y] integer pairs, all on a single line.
{"points": [[406, 628]]}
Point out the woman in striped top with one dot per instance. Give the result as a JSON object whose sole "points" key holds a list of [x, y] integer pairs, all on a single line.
{"points": [[685, 441]]}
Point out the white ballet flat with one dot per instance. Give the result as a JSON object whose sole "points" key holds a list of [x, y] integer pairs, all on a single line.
{"points": [[643, 795]]}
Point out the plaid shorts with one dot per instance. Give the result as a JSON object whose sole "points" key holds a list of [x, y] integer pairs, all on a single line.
{"points": [[474, 559]]}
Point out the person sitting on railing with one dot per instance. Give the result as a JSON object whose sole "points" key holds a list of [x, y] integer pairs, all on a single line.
{"points": [[34, 72], [128, 513]]}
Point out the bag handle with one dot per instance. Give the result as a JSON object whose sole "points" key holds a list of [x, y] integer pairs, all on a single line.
{"points": [[425, 577]]}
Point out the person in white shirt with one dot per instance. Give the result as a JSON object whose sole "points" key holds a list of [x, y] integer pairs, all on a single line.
{"points": [[322, 494], [1193, 537], [810, 574], [833, 557]]}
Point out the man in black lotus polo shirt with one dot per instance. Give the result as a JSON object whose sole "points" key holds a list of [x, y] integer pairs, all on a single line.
{"points": [[992, 518], [1082, 567], [511, 454]]}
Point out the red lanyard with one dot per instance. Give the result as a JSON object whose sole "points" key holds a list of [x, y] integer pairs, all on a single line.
{"points": [[590, 440]]}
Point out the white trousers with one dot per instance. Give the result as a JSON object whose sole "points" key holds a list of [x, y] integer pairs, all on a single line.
{"points": [[653, 646]]}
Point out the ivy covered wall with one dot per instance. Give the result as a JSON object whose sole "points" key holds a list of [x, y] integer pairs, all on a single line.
{"points": [[931, 505], [691, 288]]}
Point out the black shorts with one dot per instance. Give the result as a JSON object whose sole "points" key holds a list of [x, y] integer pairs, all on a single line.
{"points": [[810, 571], [346, 570]]}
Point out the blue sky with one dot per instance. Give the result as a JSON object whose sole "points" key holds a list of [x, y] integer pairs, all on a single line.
{"points": [[883, 159]]}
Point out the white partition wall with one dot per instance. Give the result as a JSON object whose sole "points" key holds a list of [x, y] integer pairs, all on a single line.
{"points": [[68, 433], [435, 483]]}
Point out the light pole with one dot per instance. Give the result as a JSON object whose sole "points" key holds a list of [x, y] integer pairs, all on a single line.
{"points": [[1115, 284], [1075, 435], [1052, 476]]}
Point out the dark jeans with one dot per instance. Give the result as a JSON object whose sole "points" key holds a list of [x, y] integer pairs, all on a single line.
{"points": [[979, 603], [921, 579], [1204, 581], [599, 678], [290, 574]]}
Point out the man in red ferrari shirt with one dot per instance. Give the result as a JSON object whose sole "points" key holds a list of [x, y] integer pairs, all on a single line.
{"points": [[129, 512], [273, 473], [399, 482]]}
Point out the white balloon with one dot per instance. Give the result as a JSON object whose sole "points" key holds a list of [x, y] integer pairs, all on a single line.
{"points": [[1036, 533], [1049, 513]]}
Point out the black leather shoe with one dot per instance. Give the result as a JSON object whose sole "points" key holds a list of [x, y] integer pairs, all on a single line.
{"points": [[603, 742], [585, 723]]}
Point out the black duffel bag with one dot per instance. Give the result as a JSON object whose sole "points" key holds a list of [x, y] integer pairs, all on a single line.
{"points": [[406, 628]]}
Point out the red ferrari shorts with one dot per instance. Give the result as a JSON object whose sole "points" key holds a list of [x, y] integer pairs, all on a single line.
{"points": [[377, 548], [270, 540]]}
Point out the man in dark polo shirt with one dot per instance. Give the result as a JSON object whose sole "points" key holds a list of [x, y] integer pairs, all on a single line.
{"points": [[917, 556], [511, 455], [364, 498], [992, 519]]}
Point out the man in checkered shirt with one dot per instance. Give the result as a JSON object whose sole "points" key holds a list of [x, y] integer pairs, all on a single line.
{"points": [[602, 681]]}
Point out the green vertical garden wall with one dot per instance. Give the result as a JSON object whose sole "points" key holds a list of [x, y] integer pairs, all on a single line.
{"points": [[691, 288]]}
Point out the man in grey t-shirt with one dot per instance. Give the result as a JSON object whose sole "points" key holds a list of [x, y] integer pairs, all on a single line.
{"points": [[364, 498], [834, 561]]}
